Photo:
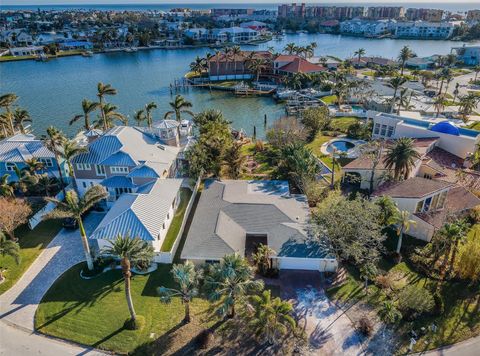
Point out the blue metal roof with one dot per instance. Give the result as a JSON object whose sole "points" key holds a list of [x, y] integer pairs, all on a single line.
{"points": [[143, 172], [118, 182], [99, 150], [118, 226], [119, 159]]}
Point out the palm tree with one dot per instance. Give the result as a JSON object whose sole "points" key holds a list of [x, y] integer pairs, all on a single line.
{"points": [[148, 113], [188, 280], [467, 104], [20, 116], [109, 114], [263, 258], [463, 228], [444, 240], [401, 156], [234, 160], [439, 104], [389, 313], [456, 91], [74, 207], [368, 271], [8, 248], [197, 65], [404, 223], [53, 140], [234, 52], [139, 117], [6, 189], [269, 318], [34, 165], [88, 107], [69, 149], [130, 250], [229, 281], [290, 48], [395, 83], [257, 66], [102, 91], [359, 53], [405, 54], [179, 106], [6, 101]]}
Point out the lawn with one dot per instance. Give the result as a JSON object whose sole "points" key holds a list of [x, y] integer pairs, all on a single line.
{"points": [[460, 321], [342, 123], [177, 220], [31, 242], [263, 169], [475, 126], [92, 312], [330, 99]]}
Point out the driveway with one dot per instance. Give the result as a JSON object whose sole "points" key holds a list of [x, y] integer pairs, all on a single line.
{"points": [[19, 303], [329, 331]]}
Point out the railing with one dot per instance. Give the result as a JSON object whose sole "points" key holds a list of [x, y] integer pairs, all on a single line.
{"points": [[167, 257]]}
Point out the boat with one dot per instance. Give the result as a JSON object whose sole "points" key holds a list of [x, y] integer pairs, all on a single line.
{"points": [[128, 50], [134, 49], [87, 54], [41, 57]]}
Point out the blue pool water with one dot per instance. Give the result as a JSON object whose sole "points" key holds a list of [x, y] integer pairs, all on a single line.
{"points": [[343, 146]]}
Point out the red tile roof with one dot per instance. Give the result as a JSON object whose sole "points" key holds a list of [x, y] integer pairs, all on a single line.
{"points": [[300, 65], [286, 58]]}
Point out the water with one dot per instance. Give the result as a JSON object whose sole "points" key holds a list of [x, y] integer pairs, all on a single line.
{"points": [[342, 146], [52, 91]]}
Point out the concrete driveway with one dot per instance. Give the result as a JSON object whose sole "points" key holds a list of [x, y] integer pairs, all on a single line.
{"points": [[329, 331]]}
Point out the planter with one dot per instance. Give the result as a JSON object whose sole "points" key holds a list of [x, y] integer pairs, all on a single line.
{"points": [[153, 267]]}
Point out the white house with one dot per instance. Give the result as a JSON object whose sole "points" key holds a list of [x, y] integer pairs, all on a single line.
{"points": [[469, 55], [27, 51], [422, 29]]}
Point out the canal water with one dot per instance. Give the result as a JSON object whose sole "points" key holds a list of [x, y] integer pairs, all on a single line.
{"points": [[52, 91]]}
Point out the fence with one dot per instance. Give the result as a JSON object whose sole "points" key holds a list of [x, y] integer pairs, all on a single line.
{"points": [[167, 257]]}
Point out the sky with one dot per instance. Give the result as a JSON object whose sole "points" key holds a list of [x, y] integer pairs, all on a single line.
{"points": [[122, 2]]}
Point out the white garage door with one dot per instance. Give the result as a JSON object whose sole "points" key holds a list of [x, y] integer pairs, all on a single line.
{"points": [[312, 264]]}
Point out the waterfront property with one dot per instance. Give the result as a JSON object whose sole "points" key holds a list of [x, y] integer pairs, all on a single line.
{"points": [[224, 66], [220, 35], [469, 55], [288, 65], [236, 216], [26, 51], [422, 29]]}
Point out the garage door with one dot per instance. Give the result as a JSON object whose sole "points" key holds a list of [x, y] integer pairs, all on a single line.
{"points": [[312, 264]]}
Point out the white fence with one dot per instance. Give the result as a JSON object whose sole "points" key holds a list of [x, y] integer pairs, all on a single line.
{"points": [[167, 257]]}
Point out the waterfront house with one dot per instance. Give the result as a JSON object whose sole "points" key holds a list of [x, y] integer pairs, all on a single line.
{"points": [[255, 25], [225, 67], [421, 63], [423, 29], [367, 28], [146, 214], [15, 151], [76, 45], [123, 159], [469, 55], [287, 65], [236, 216], [27, 51]]}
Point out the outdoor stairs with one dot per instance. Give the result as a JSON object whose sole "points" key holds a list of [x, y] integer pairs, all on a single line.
{"points": [[339, 277]]}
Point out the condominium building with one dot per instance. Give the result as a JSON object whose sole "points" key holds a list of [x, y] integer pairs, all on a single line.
{"points": [[385, 12], [422, 29], [293, 10], [232, 12], [367, 28], [473, 15], [433, 15], [336, 12]]}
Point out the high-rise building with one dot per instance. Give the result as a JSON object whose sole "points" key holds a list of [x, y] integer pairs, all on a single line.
{"points": [[293, 10], [385, 12], [336, 12], [473, 15], [432, 15]]}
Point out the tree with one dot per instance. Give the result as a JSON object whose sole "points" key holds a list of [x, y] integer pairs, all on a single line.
{"points": [[290, 48], [389, 212], [262, 259], [74, 207], [6, 189], [102, 91], [285, 131], [139, 117], [368, 271], [405, 54], [15, 212], [109, 114], [130, 250], [53, 140], [179, 106], [316, 120], [234, 52], [148, 113], [360, 52], [6, 101], [396, 83], [467, 264], [404, 223], [373, 151], [389, 313], [229, 281], [8, 248], [467, 105], [20, 116], [268, 318], [257, 66], [401, 157], [414, 300], [68, 150], [457, 239], [187, 279], [444, 240], [87, 107], [233, 160], [351, 227]]}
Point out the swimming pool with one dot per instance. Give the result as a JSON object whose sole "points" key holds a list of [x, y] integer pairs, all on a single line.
{"points": [[340, 145]]}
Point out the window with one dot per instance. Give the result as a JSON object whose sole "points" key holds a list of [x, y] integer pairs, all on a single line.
{"points": [[120, 191], [427, 176], [427, 204], [441, 200], [163, 226], [116, 169], [10, 166], [100, 170], [390, 131], [83, 166], [383, 130], [84, 184], [435, 201], [168, 216], [419, 207], [47, 162], [376, 130]]}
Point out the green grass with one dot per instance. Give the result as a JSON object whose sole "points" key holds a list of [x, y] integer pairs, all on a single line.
{"points": [[369, 73], [475, 126], [177, 220], [330, 99], [31, 242], [343, 123], [92, 312], [460, 321]]}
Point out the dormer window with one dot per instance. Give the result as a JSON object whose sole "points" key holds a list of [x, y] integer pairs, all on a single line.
{"points": [[10, 167]]}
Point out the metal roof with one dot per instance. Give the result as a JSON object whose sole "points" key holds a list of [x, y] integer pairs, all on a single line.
{"points": [[21, 147], [118, 182]]}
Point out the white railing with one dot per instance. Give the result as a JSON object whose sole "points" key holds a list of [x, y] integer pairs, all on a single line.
{"points": [[167, 257], [37, 218]]}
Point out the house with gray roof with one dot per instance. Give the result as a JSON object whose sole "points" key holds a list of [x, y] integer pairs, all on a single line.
{"points": [[15, 151], [124, 159], [146, 214], [235, 216]]}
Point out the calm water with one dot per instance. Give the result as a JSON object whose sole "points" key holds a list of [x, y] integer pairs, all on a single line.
{"points": [[52, 91]]}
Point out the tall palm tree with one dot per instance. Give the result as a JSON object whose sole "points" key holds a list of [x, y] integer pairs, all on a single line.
{"points": [[129, 250], [401, 157], [139, 117], [467, 104], [270, 318], [8, 248], [444, 240], [53, 140], [74, 207], [197, 65], [179, 106], [439, 103], [463, 228], [20, 116], [87, 107], [230, 280], [359, 53], [405, 54], [6, 189], [404, 223], [69, 149], [102, 91], [290, 48], [234, 52], [263, 258], [257, 66], [187, 279], [6, 102], [34, 165], [109, 114], [148, 113], [395, 83]]}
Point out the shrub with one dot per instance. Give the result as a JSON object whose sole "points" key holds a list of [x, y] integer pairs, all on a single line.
{"points": [[365, 326], [414, 300], [439, 307], [204, 339], [259, 146]]}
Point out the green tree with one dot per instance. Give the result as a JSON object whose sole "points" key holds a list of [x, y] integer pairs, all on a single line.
{"points": [[316, 120], [230, 281], [233, 160], [263, 259], [414, 300], [6, 189], [130, 250], [401, 157], [6, 102], [53, 140], [20, 117], [139, 117], [389, 212], [68, 150], [102, 91], [187, 279], [109, 115], [467, 104], [269, 319], [359, 53], [257, 66], [368, 272], [467, 264], [87, 107], [405, 54], [396, 83], [403, 226], [74, 207], [290, 48], [235, 53], [8, 248], [389, 313], [179, 106], [148, 113]]}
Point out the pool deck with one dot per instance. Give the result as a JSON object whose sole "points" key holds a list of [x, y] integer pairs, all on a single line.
{"points": [[351, 153]]}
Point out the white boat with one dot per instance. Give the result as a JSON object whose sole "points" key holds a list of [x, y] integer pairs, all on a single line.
{"points": [[41, 57], [134, 49], [87, 54], [128, 50]]}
